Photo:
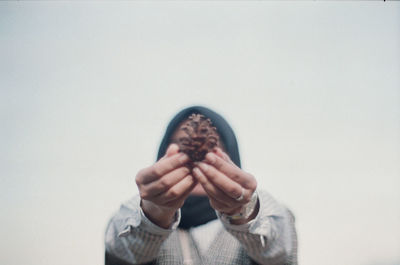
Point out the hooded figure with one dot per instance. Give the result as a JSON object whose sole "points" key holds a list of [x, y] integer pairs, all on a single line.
{"points": [[218, 225], [197, 210]]}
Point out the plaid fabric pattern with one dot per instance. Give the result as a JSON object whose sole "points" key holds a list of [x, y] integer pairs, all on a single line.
{"points": [[270, 239]]}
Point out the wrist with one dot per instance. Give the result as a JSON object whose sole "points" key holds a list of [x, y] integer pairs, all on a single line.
{"points": [[160, 216], [252, 215], [248, 212]]}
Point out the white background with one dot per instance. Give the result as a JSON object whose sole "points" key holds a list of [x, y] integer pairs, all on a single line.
{"points": [[311, 89]]}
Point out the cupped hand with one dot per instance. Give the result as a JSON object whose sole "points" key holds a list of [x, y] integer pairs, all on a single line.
{"points": [[228, 187], [164, 186]]}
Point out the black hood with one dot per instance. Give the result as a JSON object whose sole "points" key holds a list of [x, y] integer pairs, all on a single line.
{"points": [[227, 136]]}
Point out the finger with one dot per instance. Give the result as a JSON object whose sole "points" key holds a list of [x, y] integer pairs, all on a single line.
{"points": [[213, 191], [223, 155], [232, 171], [171, 150], [177, 192], [178, 203], [219, 179], [163, 184], [162, 167]]}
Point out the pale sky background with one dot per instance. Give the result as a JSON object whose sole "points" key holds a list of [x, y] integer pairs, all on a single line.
{"points": [[312, 90]]}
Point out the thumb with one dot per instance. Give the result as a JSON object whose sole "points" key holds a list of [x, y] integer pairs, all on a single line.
{"points": [[172, 149], [223, 155]]}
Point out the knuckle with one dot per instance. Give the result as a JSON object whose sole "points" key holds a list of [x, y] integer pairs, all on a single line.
{"points": [[234, 191], [165, 182], [235, 176], [174, 163], [138, 181], [174, 193], [171, 195], [209, 178], [185, 170], [139, 177], [144, 195], [238, 176], [169, 198], [157, 171], [212, 174], [252, 186], [221, 161]]}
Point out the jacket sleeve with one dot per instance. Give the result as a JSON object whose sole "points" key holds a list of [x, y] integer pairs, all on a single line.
{"points": [[270, 238], [131, 237]]}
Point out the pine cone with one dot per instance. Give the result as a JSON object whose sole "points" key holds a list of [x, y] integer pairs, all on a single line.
{"points": [[200, 137]]}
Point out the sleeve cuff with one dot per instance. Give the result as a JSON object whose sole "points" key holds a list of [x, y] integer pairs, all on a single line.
{"points": [[261, 224], [151, 227], [133, 217], [227, 224]]}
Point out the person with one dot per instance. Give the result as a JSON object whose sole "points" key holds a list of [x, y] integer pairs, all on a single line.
{"points": [[208, 212]]}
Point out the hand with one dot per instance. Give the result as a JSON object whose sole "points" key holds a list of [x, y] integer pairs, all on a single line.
{"points": [[224, 183], [164, 186]]}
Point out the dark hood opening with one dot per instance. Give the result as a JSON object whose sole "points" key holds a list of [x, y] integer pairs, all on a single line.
{"points": [[227, 136]]}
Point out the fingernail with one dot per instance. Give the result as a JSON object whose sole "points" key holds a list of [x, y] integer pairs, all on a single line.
{"points": [[203, 166], [211, 158], [187, 170], [197, 172], [183, 158], [172, 147]]}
